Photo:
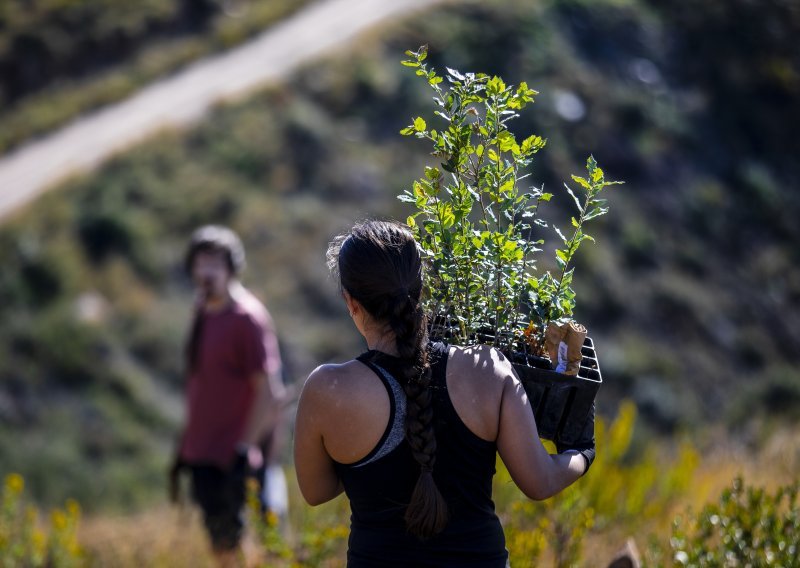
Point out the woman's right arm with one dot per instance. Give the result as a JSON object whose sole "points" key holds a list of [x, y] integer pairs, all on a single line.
{"points": [[316, 475], [537, 473]]}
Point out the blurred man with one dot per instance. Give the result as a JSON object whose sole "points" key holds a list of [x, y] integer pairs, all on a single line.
{"points": [[235, 395]]}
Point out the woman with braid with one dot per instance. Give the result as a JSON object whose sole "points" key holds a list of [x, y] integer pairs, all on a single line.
{"points": [[409, 430]]}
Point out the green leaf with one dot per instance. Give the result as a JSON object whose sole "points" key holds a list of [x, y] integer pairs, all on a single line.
{"points": [[419, 124], [495, 86], [409, 63], [582, 182], [574, 197], [479, 150], [532, 143], [560, 234], [455, 74], [410, 221], [446, 215], [419, 192], [507, 186], [505, 141], [407, 131], [596, 212]]}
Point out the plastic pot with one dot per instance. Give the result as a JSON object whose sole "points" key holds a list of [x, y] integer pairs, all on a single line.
{"points": [[560, 403]]}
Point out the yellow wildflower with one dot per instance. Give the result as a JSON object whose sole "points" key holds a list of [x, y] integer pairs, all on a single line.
{"points": [[14, 483]]}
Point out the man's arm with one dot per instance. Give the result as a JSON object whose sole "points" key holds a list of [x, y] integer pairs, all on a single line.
{"points": [[262, 356], [267, 411]]}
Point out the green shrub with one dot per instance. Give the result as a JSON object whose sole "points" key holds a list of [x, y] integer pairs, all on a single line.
{"points": [[749, 526], [624, 489], [474, 222]]}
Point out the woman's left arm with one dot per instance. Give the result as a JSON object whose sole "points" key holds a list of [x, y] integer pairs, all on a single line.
{"points": [[316, 475]]}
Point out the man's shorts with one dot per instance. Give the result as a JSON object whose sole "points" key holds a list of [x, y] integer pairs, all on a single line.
{"points": [[221, 496]]}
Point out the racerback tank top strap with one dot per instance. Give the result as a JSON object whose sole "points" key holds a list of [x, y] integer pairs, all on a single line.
{"points": [[395, 428]]}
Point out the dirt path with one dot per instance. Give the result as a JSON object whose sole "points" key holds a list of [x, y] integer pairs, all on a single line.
{"points": [[184, 98]]}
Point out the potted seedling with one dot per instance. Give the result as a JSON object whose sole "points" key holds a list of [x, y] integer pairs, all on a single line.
{"points": [[474, 217]]}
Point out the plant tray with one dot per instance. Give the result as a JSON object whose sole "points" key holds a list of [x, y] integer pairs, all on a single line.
{"points": [[560, 403]]}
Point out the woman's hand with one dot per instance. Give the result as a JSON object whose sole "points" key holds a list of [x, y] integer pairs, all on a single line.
{"points": [[584, 445]]}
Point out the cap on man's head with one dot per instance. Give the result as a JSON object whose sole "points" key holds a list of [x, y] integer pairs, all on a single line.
{"points": [[216, 238]]}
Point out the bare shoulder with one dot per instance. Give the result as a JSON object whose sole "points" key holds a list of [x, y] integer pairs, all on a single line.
{"points": [[482, 362], [332, 378], [477, 377]]}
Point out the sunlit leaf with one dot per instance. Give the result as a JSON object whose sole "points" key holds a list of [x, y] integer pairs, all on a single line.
{"points": [[574, 197], [455, 74], [582, 182]]}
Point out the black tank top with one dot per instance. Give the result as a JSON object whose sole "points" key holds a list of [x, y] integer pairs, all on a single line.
{"points": [[379, 485]]}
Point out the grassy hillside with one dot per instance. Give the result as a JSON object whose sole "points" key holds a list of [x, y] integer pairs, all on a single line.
{"points": [[691, 293], [61, 59]]}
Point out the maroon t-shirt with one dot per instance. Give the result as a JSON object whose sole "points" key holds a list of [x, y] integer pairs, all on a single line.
{"points": [[234, 345]]}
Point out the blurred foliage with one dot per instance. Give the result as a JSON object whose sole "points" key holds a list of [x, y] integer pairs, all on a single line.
{"points": [[624, 491], [749, 526], [317, 538], [61, 59], [750, 96], [26, 542], [691, 293]]}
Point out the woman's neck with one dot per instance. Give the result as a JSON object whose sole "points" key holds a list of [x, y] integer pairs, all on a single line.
{"points": [[384, 343]]}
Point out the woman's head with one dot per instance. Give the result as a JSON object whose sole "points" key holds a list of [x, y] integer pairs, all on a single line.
{"points": [[379, 266]]}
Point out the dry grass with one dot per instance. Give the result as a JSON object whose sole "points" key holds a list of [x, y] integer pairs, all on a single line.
{"points": [[174, 537], [161, 537]]}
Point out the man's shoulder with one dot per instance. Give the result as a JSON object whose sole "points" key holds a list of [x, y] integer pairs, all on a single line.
{"points": [[250, 309]]}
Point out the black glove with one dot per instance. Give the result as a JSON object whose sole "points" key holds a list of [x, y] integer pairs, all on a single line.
{"points": [[584, 444]]}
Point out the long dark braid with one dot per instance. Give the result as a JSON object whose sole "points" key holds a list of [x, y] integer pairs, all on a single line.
{"points": [[379, 265]]}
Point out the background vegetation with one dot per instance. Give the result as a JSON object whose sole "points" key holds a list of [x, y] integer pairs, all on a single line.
{"points": [[49, 74], [691, 294]]}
